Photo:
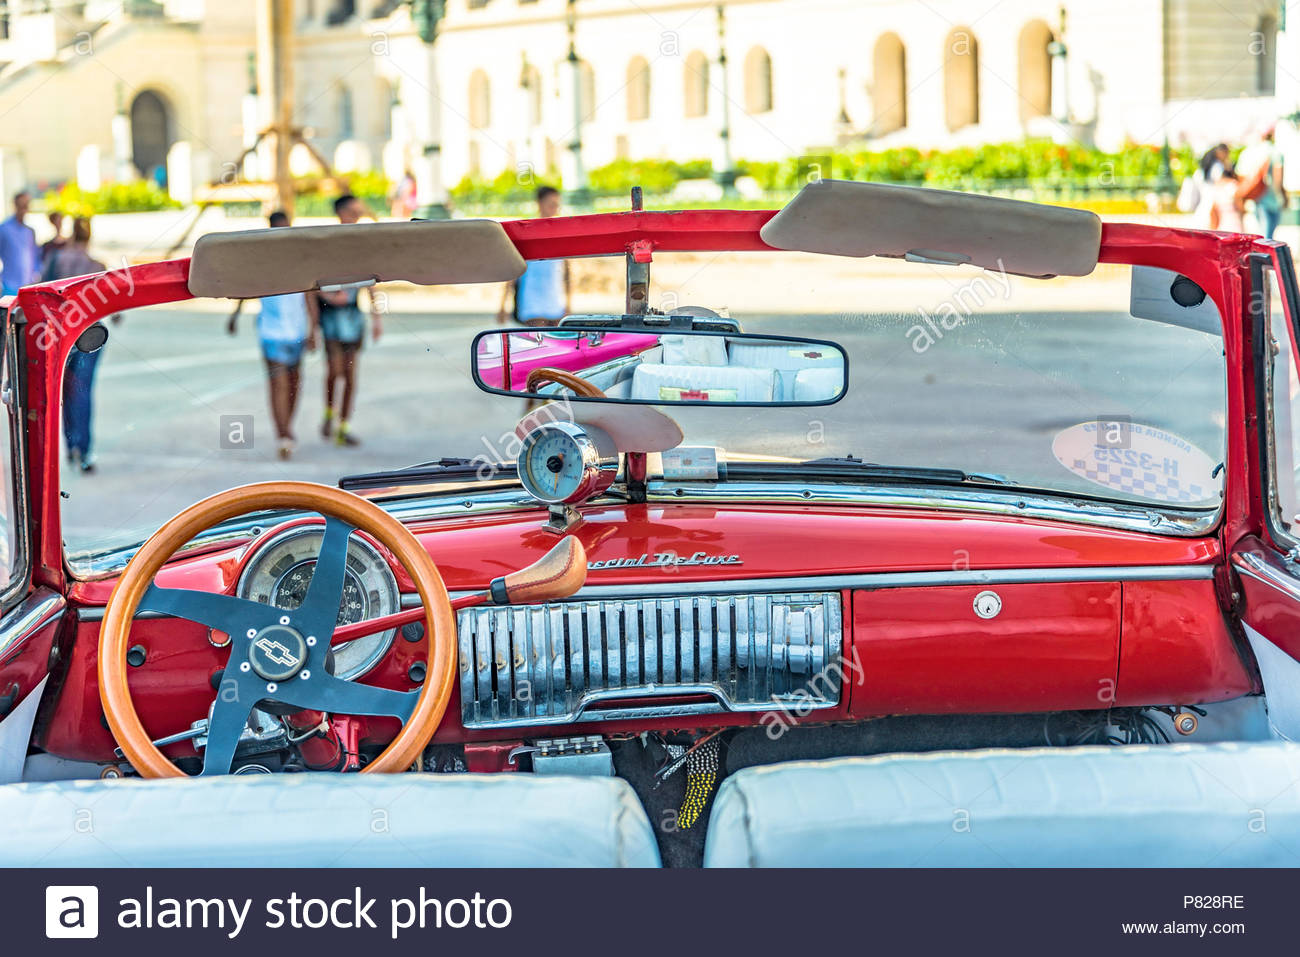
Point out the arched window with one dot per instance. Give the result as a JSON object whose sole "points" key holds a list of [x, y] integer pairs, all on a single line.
{"points": [[888, 85], [1035, 85], [151, 131], [531, 81], [638, 89], [695, 83], [480, 101], [758, 81], [961, 92], [1263, 44]]}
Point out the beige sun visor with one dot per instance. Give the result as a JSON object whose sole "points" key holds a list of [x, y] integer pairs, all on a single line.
{"points": [[268, 262], [841, 218]]}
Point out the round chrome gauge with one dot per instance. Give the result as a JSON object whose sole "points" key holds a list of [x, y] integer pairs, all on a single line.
{"points": [[562, 463], [282, 569]]}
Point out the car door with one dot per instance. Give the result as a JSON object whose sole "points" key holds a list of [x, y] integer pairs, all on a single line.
{"points": [[1267, 561], [29, 617]]}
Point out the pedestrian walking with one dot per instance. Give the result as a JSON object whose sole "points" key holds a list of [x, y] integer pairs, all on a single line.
{"points": [[74, 259], [1197, 193], [542, 295], [286, 327], [1228, 212], [343, 330], [20, 260], [1260, 166], [53, 245], [404, 196]]}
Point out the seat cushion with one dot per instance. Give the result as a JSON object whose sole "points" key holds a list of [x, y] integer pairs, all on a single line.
{"points": [[672, 383], [1221, 805], [328, 820], [787, 358], [818, 385]]}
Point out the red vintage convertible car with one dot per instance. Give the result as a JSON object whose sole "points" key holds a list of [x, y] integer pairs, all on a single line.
{"points": [[1000, 566]]}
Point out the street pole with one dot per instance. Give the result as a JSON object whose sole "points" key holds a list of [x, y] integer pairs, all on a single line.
{"points": [[1059, 53], [248, 111], [430, 194], [579, 195], [726, 175], [275, 80]]}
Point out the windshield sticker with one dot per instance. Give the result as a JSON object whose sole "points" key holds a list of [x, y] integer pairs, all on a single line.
{"points": [[1137, 459]]}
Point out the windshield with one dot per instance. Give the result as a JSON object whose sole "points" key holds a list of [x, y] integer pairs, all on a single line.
{"points": [[1077, 386]]}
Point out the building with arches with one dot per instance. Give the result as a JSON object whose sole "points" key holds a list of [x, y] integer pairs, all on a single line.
{"points": [[801, 76], [102, 90], [650, 78]]}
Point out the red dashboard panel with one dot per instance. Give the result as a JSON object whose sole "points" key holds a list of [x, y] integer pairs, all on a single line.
{"points": [[925, 650], [1177, 647]]}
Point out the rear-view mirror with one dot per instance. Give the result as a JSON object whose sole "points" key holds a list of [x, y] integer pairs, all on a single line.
{"points": [[595, 363]]}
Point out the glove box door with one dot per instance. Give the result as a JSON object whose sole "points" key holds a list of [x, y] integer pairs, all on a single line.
{"points": [[984, 648]]}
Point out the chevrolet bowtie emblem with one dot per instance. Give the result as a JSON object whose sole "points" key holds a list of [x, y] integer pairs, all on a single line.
{"points": [[276, 652]]}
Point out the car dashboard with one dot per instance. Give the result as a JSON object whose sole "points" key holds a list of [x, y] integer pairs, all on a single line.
{"points": [[701, 616]]}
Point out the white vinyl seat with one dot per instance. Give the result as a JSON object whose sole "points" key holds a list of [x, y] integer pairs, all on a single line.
{"points": [[666, 383], [1181, 805], [787, 358], [327, 820], [818, 385]]}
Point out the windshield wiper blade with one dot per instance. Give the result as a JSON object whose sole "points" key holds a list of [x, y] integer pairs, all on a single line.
{"points": [[443, 470], [851, 468]]}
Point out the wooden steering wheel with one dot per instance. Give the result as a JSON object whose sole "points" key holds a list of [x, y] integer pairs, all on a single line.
{"points": [[578, 386], [277, 654]]}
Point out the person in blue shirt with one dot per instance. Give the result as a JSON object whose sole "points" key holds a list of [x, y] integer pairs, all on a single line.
{"points": [[286, 326], [542, 293], [20, 259]]}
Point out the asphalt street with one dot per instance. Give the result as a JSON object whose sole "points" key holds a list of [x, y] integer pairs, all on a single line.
{"points": [[989, 394]]}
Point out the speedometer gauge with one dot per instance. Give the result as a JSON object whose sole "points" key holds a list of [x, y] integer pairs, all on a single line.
{"points": [[281, 571], [562, 463]]}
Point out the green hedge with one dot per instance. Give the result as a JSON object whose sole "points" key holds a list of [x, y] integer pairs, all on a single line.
{"points": [[1032, 160], [134, 197], [1041, 162], [613, 179]]}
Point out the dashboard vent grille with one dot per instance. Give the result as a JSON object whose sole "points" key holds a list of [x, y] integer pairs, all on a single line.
{"points": [[656, 657]]}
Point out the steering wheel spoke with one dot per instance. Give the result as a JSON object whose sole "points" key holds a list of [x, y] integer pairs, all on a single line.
{"points": [[319, 610], [324, 692], [226, 727], [225, 613]]}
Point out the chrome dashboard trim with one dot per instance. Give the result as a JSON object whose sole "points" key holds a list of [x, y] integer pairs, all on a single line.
{"points": [[867, 580], [465, 500], [875, 580], [33, 612], [1258, 568], [1008, 501]]}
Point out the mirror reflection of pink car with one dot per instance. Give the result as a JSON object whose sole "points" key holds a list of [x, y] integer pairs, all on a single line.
{"points": [[505, 361]]}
